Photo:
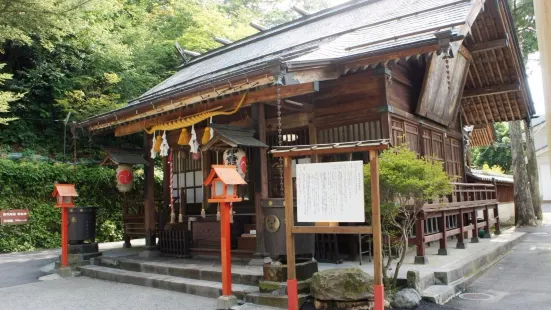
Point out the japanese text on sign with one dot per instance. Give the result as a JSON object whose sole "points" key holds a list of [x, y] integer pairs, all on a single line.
{"points": [[14, 217], [330, 192]]}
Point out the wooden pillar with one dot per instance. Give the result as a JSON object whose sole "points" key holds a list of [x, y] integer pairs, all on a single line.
{"points": [[420, 258], [261, 177], [378, 287], [386, 126], [497, 229], [312, 135], [443, 250], [461, 224], [487, 220], [205, 167], [542, 10], [474, 221], [149, 188], [292, 287], [225, 248]]}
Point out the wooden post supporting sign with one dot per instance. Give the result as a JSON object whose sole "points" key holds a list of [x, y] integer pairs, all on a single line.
{"points": [[225, 246], [378, 287], [290, 229], [292, 286]]}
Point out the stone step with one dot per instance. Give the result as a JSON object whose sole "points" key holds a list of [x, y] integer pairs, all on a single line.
{"points": [[190, 271], [267, 299], [203, 288], [438, 294]]}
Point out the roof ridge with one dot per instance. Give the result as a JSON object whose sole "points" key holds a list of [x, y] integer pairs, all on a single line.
{"points": [[280, 28]]}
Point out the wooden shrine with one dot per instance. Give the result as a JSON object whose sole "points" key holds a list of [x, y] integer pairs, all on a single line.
{"points": [[360, 71]]}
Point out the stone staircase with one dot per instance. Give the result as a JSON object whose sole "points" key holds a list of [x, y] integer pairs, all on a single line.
{"points": [[187, 276]]}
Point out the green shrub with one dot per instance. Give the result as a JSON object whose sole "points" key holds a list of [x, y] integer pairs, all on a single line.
{"points": [[406, 183], [28, 185]]}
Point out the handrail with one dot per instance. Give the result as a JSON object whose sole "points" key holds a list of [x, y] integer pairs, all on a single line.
{"points": [[456, 217]]}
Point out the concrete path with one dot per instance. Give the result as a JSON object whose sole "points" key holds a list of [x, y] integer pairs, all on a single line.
{"points": [[25, 267], [521, 280], [20, 288], [89, 294]]}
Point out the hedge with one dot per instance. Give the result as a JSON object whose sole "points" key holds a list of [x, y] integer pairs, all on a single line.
{"points": [[29, 185]]}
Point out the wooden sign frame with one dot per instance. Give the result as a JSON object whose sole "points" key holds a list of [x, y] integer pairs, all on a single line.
{"points": [[288, 153]]}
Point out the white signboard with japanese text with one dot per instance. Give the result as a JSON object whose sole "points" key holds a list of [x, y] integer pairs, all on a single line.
{"points": [[330, 192]]}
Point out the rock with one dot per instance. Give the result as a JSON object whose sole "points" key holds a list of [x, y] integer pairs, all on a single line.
{"points": [[407, 298], [414, 280], [342, 284]]}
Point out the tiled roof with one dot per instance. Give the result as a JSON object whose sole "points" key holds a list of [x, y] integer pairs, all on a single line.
{"points": [[488, 176], [325, 35]]}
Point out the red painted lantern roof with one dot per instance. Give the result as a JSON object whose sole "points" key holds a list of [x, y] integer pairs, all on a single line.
{"points": [[64, 190], [227, 173]]}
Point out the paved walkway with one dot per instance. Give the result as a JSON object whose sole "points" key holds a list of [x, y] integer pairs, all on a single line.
{"points": [[521, 280], [26, 267], [20, 288], [89, 294]]}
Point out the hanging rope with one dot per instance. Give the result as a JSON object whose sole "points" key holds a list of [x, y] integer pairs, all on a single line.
{"points": [[180, 198], [172, 214], [279, 134], [192, 120]]}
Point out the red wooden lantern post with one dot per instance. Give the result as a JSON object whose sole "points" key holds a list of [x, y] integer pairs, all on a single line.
{"points": [[224, 180], [64, 194]]}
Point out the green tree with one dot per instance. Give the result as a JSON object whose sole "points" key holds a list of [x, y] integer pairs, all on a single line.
{"points": [[406, 183], [497, 154], [525, 25], [6, 97]]}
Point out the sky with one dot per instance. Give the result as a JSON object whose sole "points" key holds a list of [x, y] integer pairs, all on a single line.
{"points": [[533, 70]]}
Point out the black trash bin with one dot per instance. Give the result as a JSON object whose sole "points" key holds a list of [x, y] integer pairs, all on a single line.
{"points": [[82, 225]]}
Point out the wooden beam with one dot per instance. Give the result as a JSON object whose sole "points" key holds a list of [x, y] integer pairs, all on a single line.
{"points": [[229, 103], [289, 121], [133, 113], [261, 185], [149, 195], [377, 231], [289, 237], [332, 150], [353, 230], [492, 90], [489, 45]]}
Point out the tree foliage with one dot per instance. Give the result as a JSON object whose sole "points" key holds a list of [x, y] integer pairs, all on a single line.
{"points": [[525, 25], [497, 154], [28, 185], [406, 183]]}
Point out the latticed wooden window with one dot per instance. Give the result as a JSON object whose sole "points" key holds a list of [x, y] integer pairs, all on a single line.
{"points": [[188, 178]]}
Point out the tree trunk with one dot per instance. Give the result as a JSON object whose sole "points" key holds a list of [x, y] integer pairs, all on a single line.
{"points": [[523, 198], [532, 169]]}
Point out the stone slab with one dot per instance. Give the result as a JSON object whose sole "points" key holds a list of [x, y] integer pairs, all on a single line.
{"points": [[183, 268], [438, 294], [267, 299], [226, 302], [184, 285]]}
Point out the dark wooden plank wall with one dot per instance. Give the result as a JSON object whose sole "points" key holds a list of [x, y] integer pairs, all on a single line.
{"points": [[437, 101], [434, 143], [368, 130]]}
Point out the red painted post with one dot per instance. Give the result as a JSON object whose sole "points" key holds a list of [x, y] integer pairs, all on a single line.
{"points": [[225, 245], [64, 237], [292, 294]]}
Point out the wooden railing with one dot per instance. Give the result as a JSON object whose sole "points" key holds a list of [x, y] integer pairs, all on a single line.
{"points": [[456, 217]]}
